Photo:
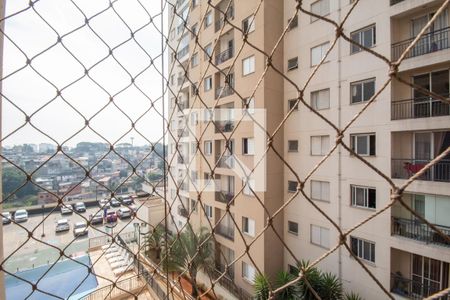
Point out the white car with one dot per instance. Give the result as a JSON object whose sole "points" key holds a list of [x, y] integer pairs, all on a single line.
{"points": [[62, 225], [104, 203], [80, 229], [79, 207], [21, 215], [6, 217], [123, 212], [66, 210]]}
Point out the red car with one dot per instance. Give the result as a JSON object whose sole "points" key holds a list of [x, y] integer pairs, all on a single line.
{"points": [[111, 217]]}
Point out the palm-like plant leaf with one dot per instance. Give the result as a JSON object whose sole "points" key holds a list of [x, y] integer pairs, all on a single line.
{"points": [[290, 292], [261, 286], [330, 287]]}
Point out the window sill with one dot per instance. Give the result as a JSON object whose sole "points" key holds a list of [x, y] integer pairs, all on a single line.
{"points": [[293, 233], [320, 200], [248, 235], [362, 50], [320, 246], [366, 262]]}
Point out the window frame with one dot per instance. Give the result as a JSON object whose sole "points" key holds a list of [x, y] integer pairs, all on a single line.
{"points": [[251, 27], [360, 249], [366, 196], [362, 82], [208, 87], [289, 227], [195, 60], [293, 67], [245, 145], [322, 152], [246, 226], [251, 70], [314, 19], [371, 139], [291, 104], [208, 16], [250, 280], [356, 49], [314, 103], [320, 244], [206, 148], [289, 146], [208, 211], [312, 64], [290, 183], [321, 182]]}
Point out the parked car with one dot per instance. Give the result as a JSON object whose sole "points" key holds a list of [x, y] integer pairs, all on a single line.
{"points": [[104, 203], [6, 217], [62, 225], [97, 218], [111, 217], [66, 210], [80, 207], [124, 212], [126, 200], [21, 215], [80, 229], [115, 202]]}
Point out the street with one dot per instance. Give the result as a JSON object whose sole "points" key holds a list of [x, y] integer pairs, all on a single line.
{"points": [[32, 253]]}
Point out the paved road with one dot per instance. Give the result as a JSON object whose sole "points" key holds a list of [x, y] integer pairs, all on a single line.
{"points": [[33, 253]]}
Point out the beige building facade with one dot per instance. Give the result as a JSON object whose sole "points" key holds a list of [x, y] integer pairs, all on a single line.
{"points": [[218, 185]]}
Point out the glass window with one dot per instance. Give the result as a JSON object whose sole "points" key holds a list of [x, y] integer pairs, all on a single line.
{"points": [[362, 196], [318, 52], [320, 99], [293, 227], [321, 8], [320, 190], [363, 249], [248, 65], [362, 90], [365, 37]]}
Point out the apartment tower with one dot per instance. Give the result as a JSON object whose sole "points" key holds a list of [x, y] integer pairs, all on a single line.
{"points": [[399, 134], [213, 76]]}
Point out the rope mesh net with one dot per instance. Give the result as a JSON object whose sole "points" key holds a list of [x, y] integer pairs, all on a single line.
{"points": [[160, 104]]}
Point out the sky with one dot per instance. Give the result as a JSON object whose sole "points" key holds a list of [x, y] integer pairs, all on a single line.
{"points": [[30, 92]]}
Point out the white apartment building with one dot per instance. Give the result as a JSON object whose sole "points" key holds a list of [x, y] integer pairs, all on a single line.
{"points": [[399, 133]]}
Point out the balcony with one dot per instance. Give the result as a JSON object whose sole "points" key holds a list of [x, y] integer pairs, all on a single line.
{"points": [[416, 230], [230, 16], [406, 168], [416, 277], [224, 56], [224, 126], [183, 159], [419, 108], [225, 231], [224, 91], [411, 289], [183, 212], [182, 132], [431, 42], [224, 197], [225, 161]]}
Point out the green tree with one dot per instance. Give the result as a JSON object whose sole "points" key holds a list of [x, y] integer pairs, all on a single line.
{"points": [[191, 252], [261, 286], [330, 287], [12, 179], [154, 242]]}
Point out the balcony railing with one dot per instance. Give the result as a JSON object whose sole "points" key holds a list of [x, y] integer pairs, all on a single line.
{"points": [[412, 289], [430, 42], [224, 56], [225, 161], [228, 283], [405, 168], [183, 105], [183, 212], [225, 231], [224, 197], [419, 231], [183, 159], [224, 126], [419, 108], [224, 91], [230, 16]]}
